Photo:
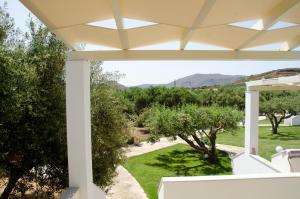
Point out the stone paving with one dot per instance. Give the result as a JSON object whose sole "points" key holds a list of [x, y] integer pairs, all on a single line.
{"points": [[125, 187]]}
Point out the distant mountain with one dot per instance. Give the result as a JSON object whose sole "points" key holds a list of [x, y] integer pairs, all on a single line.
{"points": [[207, 80], [121, 86], [149, 85], [199, 80]]}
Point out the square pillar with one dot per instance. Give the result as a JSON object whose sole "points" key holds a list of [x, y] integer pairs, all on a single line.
{"points": [[79, 127], [251, 122]]}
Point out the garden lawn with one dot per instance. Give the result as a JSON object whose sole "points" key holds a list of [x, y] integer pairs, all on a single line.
{"points": [[288, 137], [177, 160]]}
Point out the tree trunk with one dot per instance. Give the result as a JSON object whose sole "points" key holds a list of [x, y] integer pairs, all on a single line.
{"points": [[13, 179], [275, 126], [274, 122], [212, 156], [275, 129], [202, 149]]}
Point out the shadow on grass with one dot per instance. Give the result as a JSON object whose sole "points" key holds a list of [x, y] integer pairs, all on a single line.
{"points": [[283, 136], [190, 163]]}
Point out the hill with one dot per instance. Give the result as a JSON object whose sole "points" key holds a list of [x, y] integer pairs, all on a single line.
{"points": [[199, 80], [211, 80]]}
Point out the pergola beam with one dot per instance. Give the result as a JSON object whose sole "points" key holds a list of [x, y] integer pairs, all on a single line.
{"points": [[70, 45], [208, 4], [270, 19], [280, 83], [273, 88], [290, 80], [123, 55], [119, 23]]}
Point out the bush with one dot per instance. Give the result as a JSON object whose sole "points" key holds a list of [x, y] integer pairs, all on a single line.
{"points": [[141, 119], [109, 128]]}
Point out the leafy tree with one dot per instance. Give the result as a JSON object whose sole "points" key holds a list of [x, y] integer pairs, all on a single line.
{"points": [[279, 108], [170, 97], [33, 127], [139, 97], [222, 96], [198, 127], [177, 96], [109, 127]]}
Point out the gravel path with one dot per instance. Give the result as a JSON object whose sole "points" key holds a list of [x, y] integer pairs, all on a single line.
{"points": [[125, 185]]}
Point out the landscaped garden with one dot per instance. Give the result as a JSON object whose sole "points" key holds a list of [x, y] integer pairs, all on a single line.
{"points": [[287, 137], [177, 160], [182, 160]]}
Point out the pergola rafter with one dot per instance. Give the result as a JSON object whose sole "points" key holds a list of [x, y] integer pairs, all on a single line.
{"points": [[204, 21], [120, 24], [271, 18], [208, 4]]}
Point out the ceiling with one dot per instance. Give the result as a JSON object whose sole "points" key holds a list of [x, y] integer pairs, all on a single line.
{"points": [[211, 22]]}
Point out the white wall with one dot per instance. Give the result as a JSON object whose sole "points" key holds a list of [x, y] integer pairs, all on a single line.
{"points": [[262, 186], [251, 164], [292, 121], [161, 191]]}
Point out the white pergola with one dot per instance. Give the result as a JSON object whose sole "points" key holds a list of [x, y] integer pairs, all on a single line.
{"points": [[198, 21], [252, 105]]}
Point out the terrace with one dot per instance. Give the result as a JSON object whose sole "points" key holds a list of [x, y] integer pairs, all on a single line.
{"points": [[79, 23]]}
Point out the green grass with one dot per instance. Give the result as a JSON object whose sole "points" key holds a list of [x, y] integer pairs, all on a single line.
{"points": [[288, 137], [177, 160]]}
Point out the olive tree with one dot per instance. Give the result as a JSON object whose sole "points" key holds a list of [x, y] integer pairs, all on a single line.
{"points": [[279, 108], [197, 126], [109, 126], [32, 109]]}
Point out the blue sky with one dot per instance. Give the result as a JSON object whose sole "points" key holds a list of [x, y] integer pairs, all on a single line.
{"points": [[140, 72]]}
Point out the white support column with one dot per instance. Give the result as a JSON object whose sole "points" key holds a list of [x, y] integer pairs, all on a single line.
{"points": [[79, 127], [251, 122]]}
